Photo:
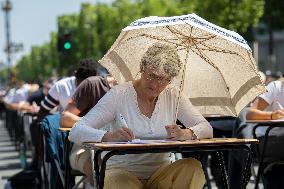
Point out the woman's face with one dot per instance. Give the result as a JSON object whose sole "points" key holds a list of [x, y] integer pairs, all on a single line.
{"points": [[154, 83]]}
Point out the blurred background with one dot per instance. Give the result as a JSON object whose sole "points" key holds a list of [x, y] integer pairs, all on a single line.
{"points": [[40, 39]]}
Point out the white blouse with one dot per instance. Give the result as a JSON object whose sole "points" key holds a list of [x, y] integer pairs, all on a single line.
{"points": [[122, 99]]}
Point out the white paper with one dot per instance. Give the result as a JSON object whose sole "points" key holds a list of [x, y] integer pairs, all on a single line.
{"points": [[140, 141]]}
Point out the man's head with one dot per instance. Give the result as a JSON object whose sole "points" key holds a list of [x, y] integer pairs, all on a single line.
{"points": [[47, 85], [87, 67]]}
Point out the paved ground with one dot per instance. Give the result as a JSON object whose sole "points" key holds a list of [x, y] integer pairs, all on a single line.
{"points": [[10, 162], [9, 158]]}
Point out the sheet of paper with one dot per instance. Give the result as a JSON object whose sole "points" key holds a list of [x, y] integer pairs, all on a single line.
{"points": [[140, 141]]}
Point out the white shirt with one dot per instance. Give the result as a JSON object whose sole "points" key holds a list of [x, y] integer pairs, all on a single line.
{"points": [[60, 94], [122, 99], [275, 93], [9, 96], [19, 95]]}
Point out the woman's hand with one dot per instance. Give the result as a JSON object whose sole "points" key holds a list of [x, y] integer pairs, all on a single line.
{"points": [[174, 132], [121, 134], [278, 114]]}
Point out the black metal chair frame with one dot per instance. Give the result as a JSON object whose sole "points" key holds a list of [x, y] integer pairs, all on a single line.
{"points": [[261, 155], [69, 173]]}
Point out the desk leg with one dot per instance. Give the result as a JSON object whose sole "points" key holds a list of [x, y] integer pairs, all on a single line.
{"points": [[246, 175], [67, 164], [103, 168], [223, 168], [260, 168], [96, 166]]}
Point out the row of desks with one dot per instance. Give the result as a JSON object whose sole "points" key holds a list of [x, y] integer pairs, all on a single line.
{"points": [[215, 144]]}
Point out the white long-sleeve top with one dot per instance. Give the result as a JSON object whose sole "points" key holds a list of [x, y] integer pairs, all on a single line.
{"points": [[122, 99]]}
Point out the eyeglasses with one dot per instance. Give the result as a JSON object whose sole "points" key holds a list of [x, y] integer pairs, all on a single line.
{"points": [[159, 79]]}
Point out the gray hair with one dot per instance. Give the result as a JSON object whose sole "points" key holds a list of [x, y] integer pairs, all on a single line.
{"points": [[161, 58]]}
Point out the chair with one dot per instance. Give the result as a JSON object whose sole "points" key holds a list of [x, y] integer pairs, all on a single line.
{"points": [[56, 152], [53, 144], [70, 173], [271, 137]]}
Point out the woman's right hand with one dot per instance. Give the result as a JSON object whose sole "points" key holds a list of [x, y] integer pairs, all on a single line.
{"points": [[121, 134], [278, 114]]}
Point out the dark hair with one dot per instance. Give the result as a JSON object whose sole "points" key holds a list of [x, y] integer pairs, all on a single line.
{"points": [[87, 67]]}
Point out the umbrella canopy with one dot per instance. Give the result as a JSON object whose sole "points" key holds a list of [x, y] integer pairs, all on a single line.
{"points": [[219, 73]]}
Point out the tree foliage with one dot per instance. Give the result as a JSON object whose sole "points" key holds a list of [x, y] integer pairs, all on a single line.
{"points": [[274, 13], [96, 26]]}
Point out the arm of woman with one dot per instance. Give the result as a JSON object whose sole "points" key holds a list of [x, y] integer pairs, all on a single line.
{"points": [[87, 129], [193, 120]]}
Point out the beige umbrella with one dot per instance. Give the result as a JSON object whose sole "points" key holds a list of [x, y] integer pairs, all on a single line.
{"points": [[219, 73]]}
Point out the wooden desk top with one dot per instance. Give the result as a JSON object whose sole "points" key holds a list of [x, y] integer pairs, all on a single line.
{"points": [[274, 121], [105, 146]]}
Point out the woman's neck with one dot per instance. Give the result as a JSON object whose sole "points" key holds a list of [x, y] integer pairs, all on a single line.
{"points": [[142, 94]]}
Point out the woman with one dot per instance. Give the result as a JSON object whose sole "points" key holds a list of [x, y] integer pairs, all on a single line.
{"points": [[148, 105]]}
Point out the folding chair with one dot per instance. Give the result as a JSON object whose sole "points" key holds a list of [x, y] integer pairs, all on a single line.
{"points": [[53, 144], [70, 173], [273, 142], [57, 148]]}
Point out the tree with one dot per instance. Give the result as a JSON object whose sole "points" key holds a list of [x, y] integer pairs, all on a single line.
{"points": [[68, 60], [236, 15], [95, 28]]}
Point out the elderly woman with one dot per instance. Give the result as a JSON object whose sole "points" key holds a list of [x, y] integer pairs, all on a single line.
{"points": [[148, 105]]}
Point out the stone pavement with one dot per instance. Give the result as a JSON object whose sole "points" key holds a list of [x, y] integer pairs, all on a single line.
{"points": [[9, 157]]}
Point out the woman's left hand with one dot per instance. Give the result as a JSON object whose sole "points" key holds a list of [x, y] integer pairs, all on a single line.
{"points": [[174, 132]]}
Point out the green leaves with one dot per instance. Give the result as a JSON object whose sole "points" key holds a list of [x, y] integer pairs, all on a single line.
{"points": [[95, 28]]}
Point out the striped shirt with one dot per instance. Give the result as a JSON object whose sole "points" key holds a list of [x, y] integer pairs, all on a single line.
{"points": [[59, 94]]}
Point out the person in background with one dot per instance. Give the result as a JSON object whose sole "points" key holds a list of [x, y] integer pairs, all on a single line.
{"points": [[33, 101], [61, 92], [15, 100], [148, 105], [88, 93], [32, 106], [267, 106], [58, 96]]}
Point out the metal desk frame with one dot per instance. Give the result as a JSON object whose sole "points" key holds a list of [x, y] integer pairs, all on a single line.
{"points": [[270, 124], [189, 146]]}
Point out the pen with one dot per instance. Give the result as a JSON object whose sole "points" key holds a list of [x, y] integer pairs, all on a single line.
{"points": [[123, 121], [125, 125]]}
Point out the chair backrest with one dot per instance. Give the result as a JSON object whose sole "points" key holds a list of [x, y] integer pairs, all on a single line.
{"points": [[54, 146], [275, 142]]}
